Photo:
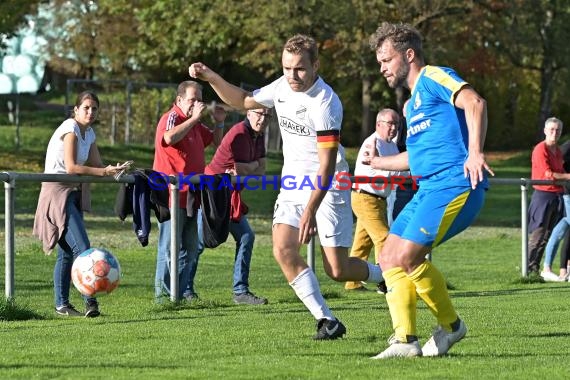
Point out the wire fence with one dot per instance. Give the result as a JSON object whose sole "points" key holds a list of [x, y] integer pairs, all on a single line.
{"points": [[132, 110]]}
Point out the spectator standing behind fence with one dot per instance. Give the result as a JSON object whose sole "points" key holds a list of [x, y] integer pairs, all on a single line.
{"points": [[180, 140], [545, 206], [369, 201], [559, 231], [59, 215], [565, 251], [310, 117], [241, 152]]}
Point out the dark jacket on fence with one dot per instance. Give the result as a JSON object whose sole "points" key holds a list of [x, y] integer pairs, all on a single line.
{"points": [[149, 192], [215, 202]]}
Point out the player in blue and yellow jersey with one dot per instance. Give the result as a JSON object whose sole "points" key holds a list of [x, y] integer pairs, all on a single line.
{"points": [[446, 125]]}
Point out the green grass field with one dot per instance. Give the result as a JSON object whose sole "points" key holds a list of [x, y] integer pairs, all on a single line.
{"points": [[517, 329]]}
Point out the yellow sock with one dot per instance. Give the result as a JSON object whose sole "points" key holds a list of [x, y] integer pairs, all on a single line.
{"points": [[401, 299], [431, 287]]}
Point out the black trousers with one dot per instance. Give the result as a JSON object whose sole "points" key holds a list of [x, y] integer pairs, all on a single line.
{"points": [[539, 237]]}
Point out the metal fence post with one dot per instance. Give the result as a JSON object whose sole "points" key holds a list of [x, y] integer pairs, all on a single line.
{"points": [[9, 238], [524, 227], [174, 240], [128, 112]]}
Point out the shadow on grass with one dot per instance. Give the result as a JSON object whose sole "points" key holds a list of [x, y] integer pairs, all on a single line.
{"points": [[533, 278], [167, 306], [496, 293], [562, 334], [96, 367], [11, 311]]}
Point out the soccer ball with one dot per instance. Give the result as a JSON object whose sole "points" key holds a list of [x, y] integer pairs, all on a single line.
{"points": [[95, 272]]}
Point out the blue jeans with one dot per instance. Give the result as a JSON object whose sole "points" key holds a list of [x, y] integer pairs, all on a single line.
{"points": [[558, 233], [244, 238], [187, 254], [194, 264], [72, 243]]}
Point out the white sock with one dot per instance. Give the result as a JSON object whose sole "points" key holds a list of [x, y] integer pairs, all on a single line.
{"points": [[307, 289], [374, 273]]}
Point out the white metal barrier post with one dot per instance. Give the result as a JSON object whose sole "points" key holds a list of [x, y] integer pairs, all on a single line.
{"points": [[524, 227], [174, 240], [9, 238]]}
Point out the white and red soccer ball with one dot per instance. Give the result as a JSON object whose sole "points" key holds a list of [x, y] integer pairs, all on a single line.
{"points": [[95, 272]]}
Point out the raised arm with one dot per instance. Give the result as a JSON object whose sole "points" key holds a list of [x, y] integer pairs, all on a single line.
{"points": [[219, 115], [234, 96], [178, 132]]}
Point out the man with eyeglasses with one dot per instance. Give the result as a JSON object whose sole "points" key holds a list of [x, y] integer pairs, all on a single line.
{"points": [[369, 200], [241, 152], [179, 145], [309, 116]]}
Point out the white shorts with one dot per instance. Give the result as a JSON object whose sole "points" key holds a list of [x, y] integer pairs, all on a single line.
{"points": [[334, 218]]}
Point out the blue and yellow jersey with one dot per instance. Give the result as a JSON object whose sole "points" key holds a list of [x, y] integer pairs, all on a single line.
{"points": [[437, 138]]}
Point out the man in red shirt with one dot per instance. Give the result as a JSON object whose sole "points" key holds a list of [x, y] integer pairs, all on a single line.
{"points": [[179, 149], [241, 152], [544, 209]]}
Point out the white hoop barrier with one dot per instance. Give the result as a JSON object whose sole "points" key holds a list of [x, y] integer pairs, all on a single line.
{"points": [[11, 178]]}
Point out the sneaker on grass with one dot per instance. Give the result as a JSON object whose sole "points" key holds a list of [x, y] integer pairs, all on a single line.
{"points": [[399, 349], [328, 329], [551, 277], [191, 297], [249, 298], [92, 309], [381, 288], [68, 310], [442, 340]]}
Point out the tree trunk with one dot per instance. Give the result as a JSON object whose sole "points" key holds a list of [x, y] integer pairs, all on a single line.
{"points": [[366, 96], [546, 83]]}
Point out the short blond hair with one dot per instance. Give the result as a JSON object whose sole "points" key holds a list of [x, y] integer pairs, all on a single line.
{"points": [[300, 43]]}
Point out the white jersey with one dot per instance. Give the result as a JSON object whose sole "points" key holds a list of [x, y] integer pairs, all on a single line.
{"points": [[55, 152], [383, 148], [301, 115]]}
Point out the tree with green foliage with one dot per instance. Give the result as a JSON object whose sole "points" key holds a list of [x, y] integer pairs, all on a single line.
{"points": [[513, 52], [13, 14], [88, 39], [534, 36]]}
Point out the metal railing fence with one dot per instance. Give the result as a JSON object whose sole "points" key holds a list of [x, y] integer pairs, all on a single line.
{"points": [[10, 180]]}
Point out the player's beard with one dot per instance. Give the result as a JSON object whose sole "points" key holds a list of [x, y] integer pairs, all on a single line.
{"points": [[400, 77]]}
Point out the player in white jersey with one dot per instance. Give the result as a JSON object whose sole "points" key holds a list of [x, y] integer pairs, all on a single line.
{"points": [[310, 117], [303, 115]]}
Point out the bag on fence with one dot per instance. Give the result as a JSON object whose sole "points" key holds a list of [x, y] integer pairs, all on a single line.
{"points": [[216, 211]]}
